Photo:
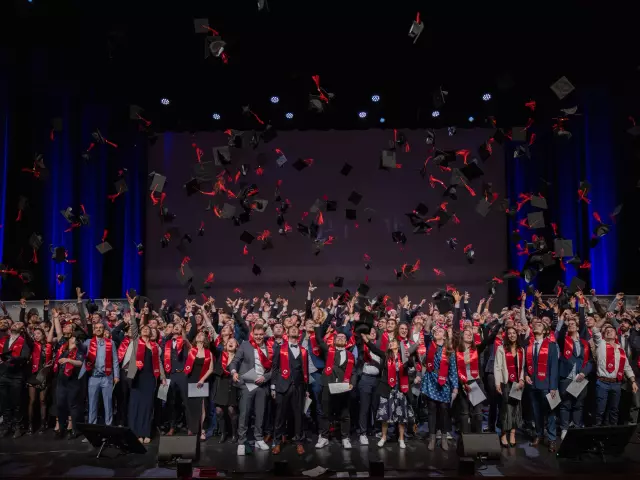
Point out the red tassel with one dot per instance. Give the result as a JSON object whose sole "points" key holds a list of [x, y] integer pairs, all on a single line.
{"points": [[34, 259], [465, 155], [329, 241], [554, 226], [113, 197], [467, 248], [19, 217], [366, 257], [104, 235], [528, 125], [471, 191], [418, 17], [585, 266], [185, 260], [455, 219], [443, 206], [597, 217], [531, 105], [439, 273], [209, 278], [320, 218], [498, 280], [245, 250], [287, 228], [433, 180], [316, 80], [237, 290], [532, 139]]}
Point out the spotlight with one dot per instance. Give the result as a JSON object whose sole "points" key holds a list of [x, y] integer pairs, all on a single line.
{"points": [[435, 113], [165, 101], [362, 114], [275, 99], [381, 119], [471, 119], [486, 97], [375, 98], [289, 115], [216, 116]]}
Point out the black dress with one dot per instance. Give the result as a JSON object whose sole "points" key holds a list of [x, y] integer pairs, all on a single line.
{"points": [[194, 407], [226, 395], [141, 398]]}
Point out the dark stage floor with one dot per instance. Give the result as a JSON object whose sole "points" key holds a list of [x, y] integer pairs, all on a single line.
{"points": [[45, 456]]}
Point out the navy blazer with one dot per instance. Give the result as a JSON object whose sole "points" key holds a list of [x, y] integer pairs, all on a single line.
{"points": [[551, 380], [565, 366]]}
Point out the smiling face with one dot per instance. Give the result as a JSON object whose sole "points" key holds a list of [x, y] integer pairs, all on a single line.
{"points": [[231, 345], [467, 335], [278, 330], [98, 330], [403, 331], [512, 335], [341, 340], [145, 331], [438, 333]]}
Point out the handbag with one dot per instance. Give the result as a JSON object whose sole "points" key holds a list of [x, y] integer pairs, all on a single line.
{"points": [[43, 376]]}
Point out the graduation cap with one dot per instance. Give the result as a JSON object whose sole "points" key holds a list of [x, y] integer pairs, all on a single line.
{"points": [[574, 261], [214, 46], [184, 274], [399, 237], [451, 192], [355, 198], [470, 253], [562, 87], [522, 151], [346, 169], [300, 164], [268, 134], [444, 158], [104, 247], [256, 270], [227, 211], [491, 287], [192, 186], [56, 124], [157, 182], [563, 247], [221, 155], [483, 207], [416, 29], [247, 238], [59, 254], [388, 159], [68, 215], [316, 103], [338, 282], [350, 214], [35, 241], [140, 248], [518, 134], [453, 243], [60, 278], [535, 220], [430, 137], [472, 171], [282, 159], [577, 284], [539, 202]]}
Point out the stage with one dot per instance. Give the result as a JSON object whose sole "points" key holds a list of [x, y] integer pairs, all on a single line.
{"points": [[44, 456]]}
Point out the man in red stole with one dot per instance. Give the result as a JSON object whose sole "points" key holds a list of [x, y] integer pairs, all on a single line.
{"points": [[541, 375], [289, 379], [101, 363], [14, 355]]}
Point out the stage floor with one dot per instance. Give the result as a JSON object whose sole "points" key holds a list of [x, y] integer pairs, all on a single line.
{"points": [[45, 456]]}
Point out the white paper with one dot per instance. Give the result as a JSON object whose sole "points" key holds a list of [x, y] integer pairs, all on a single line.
{"points": [[516, 392], [553, 401], [307, 404], [314, 472], [251, 386], [250, 376], [415, 391], [575, 388], [342, 475], [340, 387], [194, 391], [476, 395], [163, 390]]}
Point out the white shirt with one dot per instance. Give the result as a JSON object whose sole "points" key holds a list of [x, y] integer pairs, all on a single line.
{"points": [[259, 368], [601, 349], [307, 344], [415, 336], [369, 368], [295, 350], [12, 339], [343, 356]]}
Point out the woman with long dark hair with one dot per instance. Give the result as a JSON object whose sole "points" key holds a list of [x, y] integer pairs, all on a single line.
{"points": [[508, 371], [41, 346], [393, 387], [225, 393], [143, 386], [198, 368]]}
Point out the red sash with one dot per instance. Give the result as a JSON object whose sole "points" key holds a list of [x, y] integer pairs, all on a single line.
{"points": [[391, 372], [444, 363], [218, 340], [384, 341], [568, 349], [497, 342], [122, 349], [368, 359], [543, 358], [35, 355], [16, 347], [155, 356], [68, 367], [330, 360], [188, 366], [552, 337], [108, 355], [224, 363], [265, 360], [314, 344], [514, 376], [167, 352], [284, 363], [611, 361], [474, 363], [422, 349]]}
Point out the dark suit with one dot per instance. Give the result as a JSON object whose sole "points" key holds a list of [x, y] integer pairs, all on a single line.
{"points": [[540, 388], [12, 381], [290, 392], [630, 402], [571, 407]]}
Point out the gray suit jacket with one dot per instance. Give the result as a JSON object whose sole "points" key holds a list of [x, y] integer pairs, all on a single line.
{"points": [[133, 347], [243, 361]]}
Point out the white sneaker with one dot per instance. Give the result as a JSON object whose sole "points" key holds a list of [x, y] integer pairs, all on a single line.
{"points": [[438, 435], [402, 444], [262, 445], [563, 434], [241, 450], [449, 436], [364, 440], [85, 440], [382, 442], [346, 444], [322, 442]]}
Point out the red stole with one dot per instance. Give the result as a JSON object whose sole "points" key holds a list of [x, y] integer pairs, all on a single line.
{"points": [[35, 355], [314, 344], [68, 367], [611, 361], [422, 349], [384, 341], [284, 362], [474, 364], [391, 374], [331, 359], [265, 360], [167, 352], [155, 356], [16, 347], [224, 363], [444, 362], [188, 366], [367, 354], [108, 355], [512, 370], [218, 340], [568, 349], [543, 358], [122, 349]]}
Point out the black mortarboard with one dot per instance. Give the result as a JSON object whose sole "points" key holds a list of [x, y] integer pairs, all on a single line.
{"points": [[192, 186], [472, 171], [484, 151], [563, 248], [399, 237], [499, 136], [421, 209], [451, 192], [60, 278], [303, 229], [453, 243], [522, 151], [574, 261], [535, 220], [515, 236], [35, 241], [184, 274], [200, 25], [300, 164], [338, 282], [562, 87], [539, 202], [191, 291], [157, 182], [204, 171], [332, 205], [387, 159], [518, 134], [256, 269], [491, 287], [213, 46], [363, 289], [601, 230], [483, 207], [121, 186], [221, 155], [617, 210], [346, 169], [355, 198], [443, 159], [267, 244], [444, 217], [104, 247], [319, 205], [430, 137], [268, 134], [292, 284], [26, 276], [577, 284], [56, 124], [470, 254], [259, 204], [281, 159], [59, 254], [68, 215], [247, 238], [416, 30], [227, 211], [350, 214]]}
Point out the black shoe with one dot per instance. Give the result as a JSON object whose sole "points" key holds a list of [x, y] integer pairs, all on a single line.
{"points": [[5, 432], [234, 439], [72, 435], [223, 438], [18, 432], [42, 429], [30, 430], [60, 434]]}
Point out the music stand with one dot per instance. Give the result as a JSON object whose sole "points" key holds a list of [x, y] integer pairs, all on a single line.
{"points": [[102, 436], [600, 441]]}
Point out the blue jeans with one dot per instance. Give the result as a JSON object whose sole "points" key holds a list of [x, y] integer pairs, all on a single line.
{"points": [[540, 407], [607, 402], [97, 386], [570, 407]]}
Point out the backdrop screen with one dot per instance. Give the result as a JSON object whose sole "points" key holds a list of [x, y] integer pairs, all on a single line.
{"points": [[387, 195]]}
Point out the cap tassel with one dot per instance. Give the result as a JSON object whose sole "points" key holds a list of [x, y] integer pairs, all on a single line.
{"points": [[528, 125], [185, 260], [237, 290], [597, 217], [316, 80], [19, 217], [217, 212], [471, 191], [582, 195], [433, 180], [147, 123], [245, 250], [455, 219], [199, 152], [554, 226], [443, 206], [450, 288], [320, 218], [9, 272], [467, 248], [366, 257], [514, 272], [305, 215], [209, 278], [73, 225], [256, 117], [34, 259], [152, 196], [532, 139], [531, 104], [438, 272], [585, 266], [464, 154], [329, 240], [497, 280]]}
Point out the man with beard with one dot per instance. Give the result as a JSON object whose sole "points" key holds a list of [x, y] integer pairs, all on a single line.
{"points": [[290, 376], [14, 355]]}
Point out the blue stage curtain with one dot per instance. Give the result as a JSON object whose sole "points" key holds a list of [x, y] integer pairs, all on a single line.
{"points": [[4, 159]]}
